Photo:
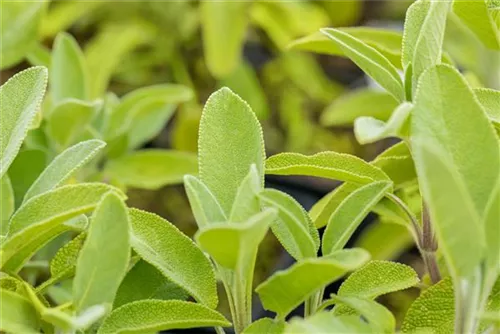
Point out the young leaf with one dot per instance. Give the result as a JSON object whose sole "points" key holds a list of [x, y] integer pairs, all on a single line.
{"points": [[414, 20], [152, 168], [490, 101], [162, 245], [17, 314], [230, 141], [265, 326], [160, 315], [371, 61], [331, 165], [68, 72], [6, 203], [369, 130], [63, 166], [206, 209], [96, 282], [20, 99], [293, 227], [287, 289], [246, 203], [228, 19], [144, 281], [350, 213], [326, 322]]}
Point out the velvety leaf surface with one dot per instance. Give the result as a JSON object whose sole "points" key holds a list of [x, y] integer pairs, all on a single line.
{"points": [[25, 169], [6, 203], [327, 323], [206, 209], [162, 245], [246, 203], [17, 315], [156, 315], [490, 101], [265, 326], [20, 99]]}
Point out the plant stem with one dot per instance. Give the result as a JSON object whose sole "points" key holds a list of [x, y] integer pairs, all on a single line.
{"points": [[467, 303], [219, 330]]}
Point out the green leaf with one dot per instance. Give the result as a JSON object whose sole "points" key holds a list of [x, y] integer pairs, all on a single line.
{"points": [[230, 141], [331, 165], [206, 209], [350, 213], [227, 19], [433, 311], [42, 218], [152, 168], [63, 166], [397, 163], [158, 315], [69, 120], [387, 42], [344, 110], [369, 130], [17, 314], [19, 30], [377, 315], [68, 71], [162, 245], [397, 239], [246, 203], [371, 61], [20, 99], [327, 323], [293, 227], [265, 326], [490, 101], [96, 282], [144, 281], [287, 289], [6, 203], [492, 229], [474, 14]]}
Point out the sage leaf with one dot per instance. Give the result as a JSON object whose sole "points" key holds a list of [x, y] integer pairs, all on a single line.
{"points": [[96, 282], [287, 289], [68, 71], [144, 281], [17, 314], [159, 315], [492, 229], [371, 61], [152, 168], [6, 203], [63, 166], [162, 245], [206, 209], [265, 326], [20, 99], [397, 240], [226, 152], [350, 213], [397, 163], [246, 203], [331, 165], [490, 101], [293, 227], [327, 323]]}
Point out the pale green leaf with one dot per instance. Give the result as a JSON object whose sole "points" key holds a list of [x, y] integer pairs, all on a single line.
{"points": [[327, 323], [246, 203], [206, 209], [371, 61], [162, 245], [228, 19], [293, 227], [25, 169], [287, 289], [230, 141], [63, 15], [490, 101], [331, 165], [63, 166], [144, 281], [68, 71], [344, 110], [414, 20], [492, 228], [20, 99], [350, 213], [265, 326], [397, 163], [158, 315], [19, 30], [17, 314], [152, 168], [369, 130], [6, 203]]}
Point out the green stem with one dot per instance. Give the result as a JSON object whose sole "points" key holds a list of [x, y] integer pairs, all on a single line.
{"points": [[467, 300], [219, 330]]}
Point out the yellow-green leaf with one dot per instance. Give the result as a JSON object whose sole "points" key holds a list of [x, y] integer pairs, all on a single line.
{"points": [[6, 203], [206, 209], [265, 326], [17, 314]]}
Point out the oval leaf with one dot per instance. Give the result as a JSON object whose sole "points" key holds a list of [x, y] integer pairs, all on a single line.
{"points": [[206, 209]]}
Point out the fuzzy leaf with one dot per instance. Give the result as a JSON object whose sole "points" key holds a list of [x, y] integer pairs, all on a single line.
{"points": [[20, 99], [371, 61], [327, 323], [350, 213], [360, 102], [229, 19], [158, 315], [144, 281], [331, 165], [6, 203], [230, 141], [162, 245], [287, 289], [68, 72], [293, 227], [63, 166], [369, 130], [490, 101], [17, 314], [205, 207], [152, 168], [246, 203], [265, 326]]}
